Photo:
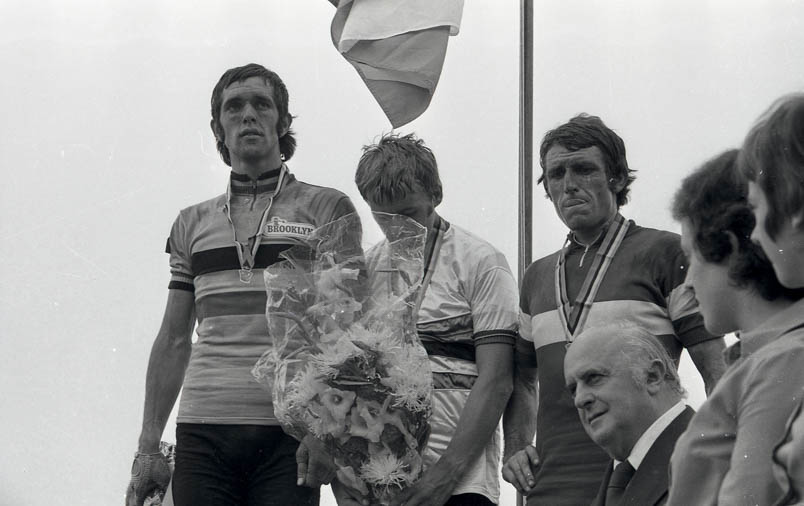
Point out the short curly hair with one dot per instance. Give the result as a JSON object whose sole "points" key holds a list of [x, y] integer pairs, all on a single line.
{"points": [[287, 143], [714, 198], [585, 131], [773, 157]]}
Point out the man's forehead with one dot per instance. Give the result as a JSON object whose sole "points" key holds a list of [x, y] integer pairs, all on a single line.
{"points": [[559, 154], [580, 365], [254, 84]]}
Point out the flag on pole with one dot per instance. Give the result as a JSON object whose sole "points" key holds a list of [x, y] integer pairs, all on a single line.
{"points": [[398, 48]]}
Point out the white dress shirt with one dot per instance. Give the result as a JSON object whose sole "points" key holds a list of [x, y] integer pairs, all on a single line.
{"points": [[649, 437]]}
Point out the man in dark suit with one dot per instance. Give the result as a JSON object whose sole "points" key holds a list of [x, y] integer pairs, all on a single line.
{"points": [[630, 401]]}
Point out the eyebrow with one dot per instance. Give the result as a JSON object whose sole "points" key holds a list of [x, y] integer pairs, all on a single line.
{"points": [[236, 100], [600, 371], [251, 95], [578, 164], [584, 164]]}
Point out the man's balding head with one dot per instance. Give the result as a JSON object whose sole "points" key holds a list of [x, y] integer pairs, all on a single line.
{"points": [[621, 379]]}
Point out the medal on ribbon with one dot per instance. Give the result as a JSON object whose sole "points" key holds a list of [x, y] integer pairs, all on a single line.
{"points": [[247, 252], [573, 315]]}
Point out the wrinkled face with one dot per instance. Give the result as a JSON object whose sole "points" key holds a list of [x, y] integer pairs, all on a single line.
{"points": [[250, 121], [710, 283], [417, 205], [614, 409], [578, 185], [786, 252]]}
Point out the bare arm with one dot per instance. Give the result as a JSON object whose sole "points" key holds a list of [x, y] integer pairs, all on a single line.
{"points": [[708, 359], [479, 419], [170, 355], [519, 421]]}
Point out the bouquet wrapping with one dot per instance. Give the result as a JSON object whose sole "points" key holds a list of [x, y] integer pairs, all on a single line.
{"points": [[157, 497], [346, 365]]}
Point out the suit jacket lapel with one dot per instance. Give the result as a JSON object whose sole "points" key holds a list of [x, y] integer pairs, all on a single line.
{"points": [[600, 498], [649, 484]]}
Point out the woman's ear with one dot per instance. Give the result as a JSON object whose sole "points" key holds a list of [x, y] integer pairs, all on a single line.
{"points": [[735, 244]]}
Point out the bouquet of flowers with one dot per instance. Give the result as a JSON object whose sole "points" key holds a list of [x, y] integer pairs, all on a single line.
{"points": [[156, 497], [346, 366]]}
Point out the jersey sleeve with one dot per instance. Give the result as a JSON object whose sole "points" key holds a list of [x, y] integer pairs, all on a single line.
{"points": [[493, 299], [682, 307], [181, 273], [525, 318], [343, 207], [525, 330]]}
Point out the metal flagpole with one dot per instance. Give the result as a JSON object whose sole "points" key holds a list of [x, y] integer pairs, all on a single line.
{"points": [[525, 135], [525, 144]]}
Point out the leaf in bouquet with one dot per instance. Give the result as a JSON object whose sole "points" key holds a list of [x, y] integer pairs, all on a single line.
{"points": [[356, 362], [305, 330], [374, 392], [353, 451], [348, 476]]}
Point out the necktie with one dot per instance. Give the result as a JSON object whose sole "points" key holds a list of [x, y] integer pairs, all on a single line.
{"points": [[620, 477]]}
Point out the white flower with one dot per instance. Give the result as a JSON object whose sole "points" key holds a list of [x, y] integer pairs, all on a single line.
{"points": [[305, 385], [409, 378], [386, 470], [334, 355]]}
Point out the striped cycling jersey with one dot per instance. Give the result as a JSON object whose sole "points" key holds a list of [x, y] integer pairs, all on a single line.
{"points": [[470, 301], [644, 285], [232, 329]]}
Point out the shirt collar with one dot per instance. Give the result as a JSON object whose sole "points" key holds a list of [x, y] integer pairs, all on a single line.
{"points": [[767, 332], [241, 184], [646, 440], [573, 243]]}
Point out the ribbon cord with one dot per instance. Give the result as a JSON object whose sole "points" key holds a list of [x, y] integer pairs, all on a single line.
{"points": [[573, 316], [246, 254]]}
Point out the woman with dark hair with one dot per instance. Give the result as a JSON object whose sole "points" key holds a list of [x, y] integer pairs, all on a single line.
{"points": [[726, 455], [772, 158]]}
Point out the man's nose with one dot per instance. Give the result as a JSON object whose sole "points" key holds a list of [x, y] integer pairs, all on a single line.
{"points": [[582, 397], [249, 113], [570, 183]]}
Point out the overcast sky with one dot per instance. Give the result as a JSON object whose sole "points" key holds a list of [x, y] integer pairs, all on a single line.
{"points": [[104, 137]]}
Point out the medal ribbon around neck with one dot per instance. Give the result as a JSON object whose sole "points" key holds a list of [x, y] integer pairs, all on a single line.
{"points": [[573, 316], [430, 264], [245, 254]]}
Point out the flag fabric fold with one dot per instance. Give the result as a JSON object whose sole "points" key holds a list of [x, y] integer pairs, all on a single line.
{"points": [[398, 49]]}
